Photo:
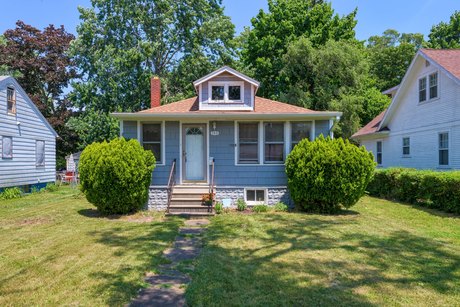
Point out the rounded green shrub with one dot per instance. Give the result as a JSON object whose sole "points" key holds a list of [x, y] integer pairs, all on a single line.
{"points": [[327, 174], [115, 176]]}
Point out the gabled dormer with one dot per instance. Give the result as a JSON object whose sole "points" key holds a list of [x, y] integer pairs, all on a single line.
{"points": [[226, 89]]}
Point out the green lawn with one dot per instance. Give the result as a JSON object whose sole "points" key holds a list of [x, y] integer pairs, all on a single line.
{"points": [[56, 250], [380, 253]]}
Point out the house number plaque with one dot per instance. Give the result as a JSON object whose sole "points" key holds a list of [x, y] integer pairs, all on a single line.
{"points": [[215, 132]]}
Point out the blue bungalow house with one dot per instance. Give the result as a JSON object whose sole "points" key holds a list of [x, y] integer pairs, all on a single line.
{"points": [[226, 139], [27, 141]]}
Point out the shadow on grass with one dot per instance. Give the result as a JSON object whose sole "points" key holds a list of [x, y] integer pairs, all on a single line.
{"points": [[312, 261], [144, 251]]}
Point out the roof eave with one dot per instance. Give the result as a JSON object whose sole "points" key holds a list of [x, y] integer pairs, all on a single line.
{"points": [[372, 135], [226, 116], [229, 70]]}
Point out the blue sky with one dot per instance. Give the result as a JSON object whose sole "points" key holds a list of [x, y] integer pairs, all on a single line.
{"points": [[374, 16]]}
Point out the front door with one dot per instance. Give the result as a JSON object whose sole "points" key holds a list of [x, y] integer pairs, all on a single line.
{"points": [[194, 152]]}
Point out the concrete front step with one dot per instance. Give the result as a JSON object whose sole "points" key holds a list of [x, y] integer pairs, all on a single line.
{"points": [[191, 214]]}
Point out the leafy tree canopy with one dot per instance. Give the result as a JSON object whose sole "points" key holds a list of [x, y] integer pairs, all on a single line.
{"points": [[286, 21], [446, 35], [390, 55]]}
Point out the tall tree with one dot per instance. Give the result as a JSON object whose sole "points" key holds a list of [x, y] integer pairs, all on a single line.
{"points": [[122, 43], [390, 55], [332, 76], [39, 60], [446, 35], [286, 21]]}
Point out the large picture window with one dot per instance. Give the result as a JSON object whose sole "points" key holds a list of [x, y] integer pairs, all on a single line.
{"points": [[248, 143], [40, 153], [444, 148], [7, 147], [151, 139], [274, 142], [299, 131]]}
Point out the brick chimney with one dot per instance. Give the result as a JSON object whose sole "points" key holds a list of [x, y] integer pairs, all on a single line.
{"points": [[155, 92]]}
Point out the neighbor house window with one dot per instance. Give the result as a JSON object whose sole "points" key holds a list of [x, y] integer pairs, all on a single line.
{"points": [[40, 153], [444, 148], [151, 139], [254, 196], [433, 85], [379, 153], [406, 146], [11, 100], [7, 147], [274, 142], [226, 91], [422, 89], [248, 143], [299, 131]]}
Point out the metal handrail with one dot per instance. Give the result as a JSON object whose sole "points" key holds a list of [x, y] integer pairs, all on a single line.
{"points": [[171, 182], [211, 185]]}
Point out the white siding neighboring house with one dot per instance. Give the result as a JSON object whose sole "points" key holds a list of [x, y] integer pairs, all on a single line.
{"points": [[421, 127], [27, 141]]}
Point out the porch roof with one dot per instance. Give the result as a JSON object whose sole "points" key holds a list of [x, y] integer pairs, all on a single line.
{"points": [[263, 108]]}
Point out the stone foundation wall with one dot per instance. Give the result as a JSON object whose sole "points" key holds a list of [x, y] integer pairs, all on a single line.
{"points": [[158, 199]]}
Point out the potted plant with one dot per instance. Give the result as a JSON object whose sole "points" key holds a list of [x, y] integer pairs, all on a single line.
{"points": [[207, 199]]}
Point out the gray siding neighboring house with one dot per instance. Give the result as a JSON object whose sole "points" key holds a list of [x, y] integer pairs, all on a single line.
{"points": [[27, 141], [247, 137]]}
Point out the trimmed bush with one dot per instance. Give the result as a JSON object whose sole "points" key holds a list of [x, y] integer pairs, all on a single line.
{"points": [[260, 208], [327, 174], [115, 176], [11, 193], [440, 190]]}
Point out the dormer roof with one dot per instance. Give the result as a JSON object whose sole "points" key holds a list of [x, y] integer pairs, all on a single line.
{"points": [[228, 70]]}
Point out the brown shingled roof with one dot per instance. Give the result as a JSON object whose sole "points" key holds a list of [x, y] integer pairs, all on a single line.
{"points": [[371, 127], [449, 59], [262, 106]]}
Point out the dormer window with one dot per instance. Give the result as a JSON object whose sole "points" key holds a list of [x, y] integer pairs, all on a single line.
{"points": [[11, 100], [226, 92]]}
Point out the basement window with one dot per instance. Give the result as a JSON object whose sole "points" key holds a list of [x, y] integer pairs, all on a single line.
{"points": [[255, 196]]}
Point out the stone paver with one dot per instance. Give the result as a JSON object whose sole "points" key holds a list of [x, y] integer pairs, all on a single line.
{"points": [[167, 288]]}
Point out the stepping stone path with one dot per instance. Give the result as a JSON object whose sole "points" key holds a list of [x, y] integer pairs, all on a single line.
{"points": [[167, 288]]}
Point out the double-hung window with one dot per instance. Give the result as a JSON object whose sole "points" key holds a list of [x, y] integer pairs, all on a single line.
{"points": [[379, 152], [40, 153], [230, 92], [433, 78], [248, 143], [443, 145], [274, 142], [299, 131], [7, 147], [11, 100], [151, 139], [406, 146], [422, 89]]}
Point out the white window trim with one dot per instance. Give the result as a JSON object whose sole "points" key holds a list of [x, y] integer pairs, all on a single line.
{"points": [[162, 140], [377, 152], [253, 203], [427, 87], [264, 142], [44, 153], [225, 84], [402, 147], [448, 149], [14, 100], [237, 143]]}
